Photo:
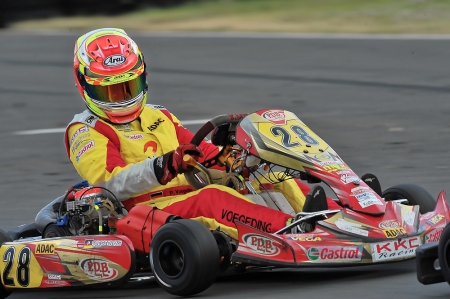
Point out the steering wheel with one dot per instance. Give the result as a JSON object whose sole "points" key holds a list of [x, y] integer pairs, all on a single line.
{"points": [[197, 139]]}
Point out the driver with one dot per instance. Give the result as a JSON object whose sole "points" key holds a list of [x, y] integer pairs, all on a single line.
{"points": [[136, 150]]}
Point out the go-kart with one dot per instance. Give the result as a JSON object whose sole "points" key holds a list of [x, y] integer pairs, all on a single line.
{"points": [[86, 237]]}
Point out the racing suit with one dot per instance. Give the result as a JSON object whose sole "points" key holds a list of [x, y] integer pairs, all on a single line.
{"points": [[120, 158]]}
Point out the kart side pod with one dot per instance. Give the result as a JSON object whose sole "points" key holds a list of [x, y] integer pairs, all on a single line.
{"points": [[141, 224]]}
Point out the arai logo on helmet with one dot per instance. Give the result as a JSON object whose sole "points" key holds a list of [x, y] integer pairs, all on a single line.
{"points": [[275, 116], [114, 60]]}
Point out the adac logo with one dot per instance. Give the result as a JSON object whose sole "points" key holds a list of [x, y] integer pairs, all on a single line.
{"points": [[155, 125], [114, 60], [45, 248]]}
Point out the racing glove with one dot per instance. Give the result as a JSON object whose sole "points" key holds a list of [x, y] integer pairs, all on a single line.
{"points": [[171, 164]]}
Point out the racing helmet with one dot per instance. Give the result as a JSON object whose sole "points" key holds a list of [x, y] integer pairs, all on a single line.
{"points": [[110, 74]]}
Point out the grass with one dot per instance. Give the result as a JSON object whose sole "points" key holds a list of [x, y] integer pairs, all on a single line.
{"points": [[329, 16]]}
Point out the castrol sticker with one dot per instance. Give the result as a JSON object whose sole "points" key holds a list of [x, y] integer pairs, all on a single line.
{"points": [[434, 235], [262, 245], [84, 149], [335, 253], [99, 269], [275, 116]]}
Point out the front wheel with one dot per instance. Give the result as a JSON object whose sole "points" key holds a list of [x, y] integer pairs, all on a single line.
{"points": [[415, 195], [184, 257], [444, 253]]}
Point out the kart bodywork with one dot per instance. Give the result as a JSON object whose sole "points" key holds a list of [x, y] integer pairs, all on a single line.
{"points": [[185, 257]]}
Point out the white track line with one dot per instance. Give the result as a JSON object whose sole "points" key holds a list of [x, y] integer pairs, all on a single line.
{"points": [[245, 35], [62, 130]]}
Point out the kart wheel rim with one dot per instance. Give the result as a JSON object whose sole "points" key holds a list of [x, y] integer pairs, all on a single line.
{"points": [[171, 259]]}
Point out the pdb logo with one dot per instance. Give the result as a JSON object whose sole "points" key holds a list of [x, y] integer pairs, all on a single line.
{"points": [[262, 245], [99, 269]]}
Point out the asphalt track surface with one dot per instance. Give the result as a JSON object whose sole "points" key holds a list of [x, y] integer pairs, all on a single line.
{"points": [[383, 104]]}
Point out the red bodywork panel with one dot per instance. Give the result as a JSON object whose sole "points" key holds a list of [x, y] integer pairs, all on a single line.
{"points": [[141, 224]]}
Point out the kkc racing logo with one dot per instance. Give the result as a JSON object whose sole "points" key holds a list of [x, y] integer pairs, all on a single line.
{"points": [[99, 269], [114, 60], [262, 245]]}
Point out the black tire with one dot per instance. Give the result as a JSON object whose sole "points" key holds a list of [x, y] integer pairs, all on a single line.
{"points": [[184, 257], [415, 195], [54, 231], [4, 237], [444, 253]]}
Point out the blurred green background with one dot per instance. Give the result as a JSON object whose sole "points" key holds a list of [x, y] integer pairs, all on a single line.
{"points": [[328, 16]]}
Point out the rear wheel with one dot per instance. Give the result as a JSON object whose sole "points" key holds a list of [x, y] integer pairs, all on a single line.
{"points": [[415, 195], [184, 257], [444, 253], [54, 231]]}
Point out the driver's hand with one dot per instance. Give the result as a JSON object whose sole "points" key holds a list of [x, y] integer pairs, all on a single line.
{"points": [[171, 164]]}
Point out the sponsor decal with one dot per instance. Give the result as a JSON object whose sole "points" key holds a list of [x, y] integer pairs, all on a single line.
{"points": [[99, 269], [180, 191], [305, 238], [335, 253], [395, 249], [334, 167], [54, 276], [89, 119], [344, 172], [359, 190], [123, 128], [81, 130], [68, 243], [436, 219], [351, 227], [394, 232], [114, 60], [155, 125], [389, 224], [77, 144], [88, 244], [134, 136], [346, 178], [58, 282], [258, 224], [106, 243], [408, 216], [84, 149], [367, 199], [262, 244], [275, 116], [44, 248], [159, 107], [434, 235]]}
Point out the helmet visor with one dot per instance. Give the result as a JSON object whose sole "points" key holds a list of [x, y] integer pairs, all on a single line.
{"points": [[117, 92]]}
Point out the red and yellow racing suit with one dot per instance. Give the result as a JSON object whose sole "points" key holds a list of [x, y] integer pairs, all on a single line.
{"points": [[120, 158]]}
